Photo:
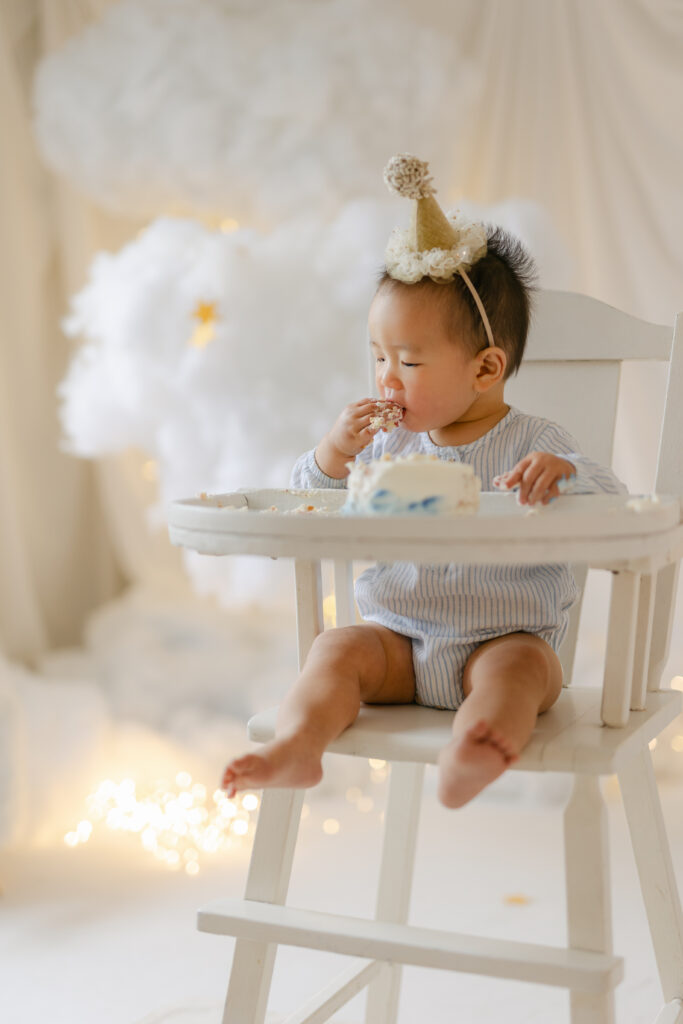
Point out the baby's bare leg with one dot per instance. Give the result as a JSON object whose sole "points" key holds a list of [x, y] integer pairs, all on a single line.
{"points": [[366, 663], [507, 681]]}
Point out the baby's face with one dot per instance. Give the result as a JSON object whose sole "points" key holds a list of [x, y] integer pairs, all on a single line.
{"points": [[418, 364]]}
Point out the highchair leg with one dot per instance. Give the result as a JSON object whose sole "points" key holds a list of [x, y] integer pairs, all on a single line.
{"points": [[656, 872], [395, 879], [272, 855], [270, 869], [589, 917]]}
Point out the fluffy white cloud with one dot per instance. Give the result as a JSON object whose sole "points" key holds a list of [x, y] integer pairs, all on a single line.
{"points": [[288, 351]]}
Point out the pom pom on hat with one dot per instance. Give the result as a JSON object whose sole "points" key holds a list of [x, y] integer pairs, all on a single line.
{"points": [[405, 175]]}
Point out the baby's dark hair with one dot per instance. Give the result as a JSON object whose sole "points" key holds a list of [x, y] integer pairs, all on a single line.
{"points": [[505, 279]]}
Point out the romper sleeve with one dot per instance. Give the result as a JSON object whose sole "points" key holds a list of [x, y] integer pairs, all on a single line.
{"points": [[307, 473], [591, 476]]}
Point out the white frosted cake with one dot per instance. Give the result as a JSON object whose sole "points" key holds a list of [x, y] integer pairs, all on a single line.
{"points": [[412, 485]]}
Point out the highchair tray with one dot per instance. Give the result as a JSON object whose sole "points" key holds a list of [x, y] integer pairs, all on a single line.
{"points": [[599, 529]]}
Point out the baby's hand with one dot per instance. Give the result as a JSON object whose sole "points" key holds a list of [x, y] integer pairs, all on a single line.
{"points": [[349, 435], [540, 477]]}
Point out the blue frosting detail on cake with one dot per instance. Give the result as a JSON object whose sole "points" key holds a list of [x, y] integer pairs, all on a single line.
{"points": [[384, 502]]}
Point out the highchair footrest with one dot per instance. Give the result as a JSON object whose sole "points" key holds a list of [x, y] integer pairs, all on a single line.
{"points": [[421, 947]]}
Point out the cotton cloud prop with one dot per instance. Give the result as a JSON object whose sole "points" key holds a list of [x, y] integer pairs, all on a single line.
{"points": [[257, 110], [287, 312]]}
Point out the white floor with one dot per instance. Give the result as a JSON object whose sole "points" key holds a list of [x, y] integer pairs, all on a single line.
{"points": [[105, 934]]}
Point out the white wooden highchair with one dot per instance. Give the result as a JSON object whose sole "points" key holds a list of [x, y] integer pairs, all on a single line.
{"points": [[571, 375]]}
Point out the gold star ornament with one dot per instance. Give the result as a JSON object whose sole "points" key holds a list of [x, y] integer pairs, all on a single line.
{"points": [[205, 331]]}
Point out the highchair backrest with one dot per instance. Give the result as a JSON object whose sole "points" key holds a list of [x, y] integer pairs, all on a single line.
{"points": [[571, 374]]}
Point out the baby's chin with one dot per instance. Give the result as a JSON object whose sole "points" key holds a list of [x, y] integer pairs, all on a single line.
{"points": [[414, 424]]}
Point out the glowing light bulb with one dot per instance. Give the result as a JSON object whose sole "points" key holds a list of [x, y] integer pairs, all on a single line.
{"points": [[149, 839], [330, 611], [331, 826], [84, 831], [250, 802]]}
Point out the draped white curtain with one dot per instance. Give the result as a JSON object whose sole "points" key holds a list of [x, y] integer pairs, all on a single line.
{"points": [[577, 106], [56, 558]]}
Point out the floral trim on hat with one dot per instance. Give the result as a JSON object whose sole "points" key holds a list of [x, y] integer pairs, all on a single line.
{"points": [[405, 263]]}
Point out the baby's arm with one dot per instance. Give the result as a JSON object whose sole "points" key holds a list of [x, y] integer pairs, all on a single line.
{"points": [[542, 476], [351, 432], [326, 466]]}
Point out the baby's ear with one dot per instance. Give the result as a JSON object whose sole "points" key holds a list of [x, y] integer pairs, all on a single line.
{"points": [[492, 365]]}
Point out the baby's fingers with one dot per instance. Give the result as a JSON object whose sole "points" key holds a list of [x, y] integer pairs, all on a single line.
{"points": [[543, 488], [535, 481], [513, 476]]}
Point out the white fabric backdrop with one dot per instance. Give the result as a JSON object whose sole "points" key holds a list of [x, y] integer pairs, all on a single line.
{"points": [[56, 558], [577, 107]]}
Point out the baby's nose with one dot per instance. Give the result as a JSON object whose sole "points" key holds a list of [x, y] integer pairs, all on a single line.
{"points": [[390, 379]]}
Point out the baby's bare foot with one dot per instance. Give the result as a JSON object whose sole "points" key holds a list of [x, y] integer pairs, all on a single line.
{"points": [[468, 764], [284, 763]]}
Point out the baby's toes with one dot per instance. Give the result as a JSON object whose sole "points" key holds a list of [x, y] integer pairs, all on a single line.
{"points": [[505, 747], [235, 769]]}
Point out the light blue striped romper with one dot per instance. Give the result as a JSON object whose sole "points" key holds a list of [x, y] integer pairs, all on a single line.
{"points": [[449, 610]]}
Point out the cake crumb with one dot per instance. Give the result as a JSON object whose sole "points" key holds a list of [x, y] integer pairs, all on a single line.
{"points": [[643, 503], [516, 899]]}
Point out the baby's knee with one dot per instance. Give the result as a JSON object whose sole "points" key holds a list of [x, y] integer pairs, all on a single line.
{"points": [[518, 658], [342, 644], [533, 661]]}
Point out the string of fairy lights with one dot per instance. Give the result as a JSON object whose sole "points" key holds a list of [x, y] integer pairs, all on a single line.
{"points": [[180, 823], [176, 822]]}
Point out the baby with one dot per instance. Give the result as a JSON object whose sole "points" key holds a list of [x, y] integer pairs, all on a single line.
{"points": [[445, 337]]}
